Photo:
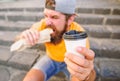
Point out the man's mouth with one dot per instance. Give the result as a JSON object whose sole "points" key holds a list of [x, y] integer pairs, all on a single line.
{"points": [[54, 31]]}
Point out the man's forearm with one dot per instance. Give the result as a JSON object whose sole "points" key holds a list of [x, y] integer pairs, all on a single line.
{"points": [[91, 77]]}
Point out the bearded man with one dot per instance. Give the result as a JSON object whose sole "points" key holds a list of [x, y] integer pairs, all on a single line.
{"points": [[59, 16]]}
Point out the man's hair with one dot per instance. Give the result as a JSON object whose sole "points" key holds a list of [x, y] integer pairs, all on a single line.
{"points": [[67, 16], [50, 4]]}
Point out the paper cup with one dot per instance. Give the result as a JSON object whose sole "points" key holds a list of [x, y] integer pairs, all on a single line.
{"points": [[74, 39]]}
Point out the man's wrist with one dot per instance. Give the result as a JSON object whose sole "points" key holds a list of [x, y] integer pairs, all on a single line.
{"points": [[87, 78], [90, 77]]}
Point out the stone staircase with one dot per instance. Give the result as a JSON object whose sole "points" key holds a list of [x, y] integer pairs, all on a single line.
{"points": [[100, 18]]}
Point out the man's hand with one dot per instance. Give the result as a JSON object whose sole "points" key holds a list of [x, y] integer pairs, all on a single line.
{"points": [[31, 36], [80, 67]]}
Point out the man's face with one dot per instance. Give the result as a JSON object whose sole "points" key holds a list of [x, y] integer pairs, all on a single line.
{"points": [[57, 22]]}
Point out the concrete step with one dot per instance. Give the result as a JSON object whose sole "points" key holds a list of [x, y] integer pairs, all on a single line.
{"points": [[7, 37], [20, 16], [103, 31], [85, 3], [103, 47], [18, 60], [91, 10], [95, 10], [15, 26], [107, 69], [23, 4], [82, 18], [11, 74], [98, 19], [98, 3], [86, 6]]}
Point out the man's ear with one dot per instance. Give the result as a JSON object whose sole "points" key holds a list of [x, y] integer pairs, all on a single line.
{"points": [[71, 19]]}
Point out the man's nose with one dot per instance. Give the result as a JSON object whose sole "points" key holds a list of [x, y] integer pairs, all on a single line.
{"points": [[48, 21]]}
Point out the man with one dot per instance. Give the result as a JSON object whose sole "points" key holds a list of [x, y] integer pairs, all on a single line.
{"points": [[59, 15]]}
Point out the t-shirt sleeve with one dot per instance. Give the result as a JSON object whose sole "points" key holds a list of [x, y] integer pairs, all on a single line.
{"points": [[39, 25]]}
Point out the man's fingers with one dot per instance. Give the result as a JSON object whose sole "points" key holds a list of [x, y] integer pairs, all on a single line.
{"points": [[89, 54], [24, 35], [75, 66], [34, 36], [81, 76], [31, 36], [78, 60]]}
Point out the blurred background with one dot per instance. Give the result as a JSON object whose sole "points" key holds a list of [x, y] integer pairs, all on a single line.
{"points": [[100, 18]]}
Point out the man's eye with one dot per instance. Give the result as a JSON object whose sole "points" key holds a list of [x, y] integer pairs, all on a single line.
{"points": [[54, 17], [45, 15]]}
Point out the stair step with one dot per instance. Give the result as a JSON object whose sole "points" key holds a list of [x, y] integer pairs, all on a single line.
{"points": [[3, 1], [105, 11], [82, 18], [105, 31], [23, 4], [109, 48], [7, 37], [98, 19], [85, 3], [20, 16], [18, 60], [107, 69], [15, 26], [86, 6], [98, 3]]}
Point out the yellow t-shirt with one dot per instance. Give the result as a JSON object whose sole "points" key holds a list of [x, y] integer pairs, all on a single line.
{"points": [[56, 52]]}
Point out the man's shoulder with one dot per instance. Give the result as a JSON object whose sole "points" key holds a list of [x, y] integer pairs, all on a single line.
{"points": [[39, 22], [39, 25], [77, 26]]}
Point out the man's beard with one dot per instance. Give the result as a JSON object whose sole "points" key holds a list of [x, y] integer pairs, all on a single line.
{"points": [[57, 36]]}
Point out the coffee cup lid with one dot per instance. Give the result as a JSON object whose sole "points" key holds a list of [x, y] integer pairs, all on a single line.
{"points": [[73, 34]]}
